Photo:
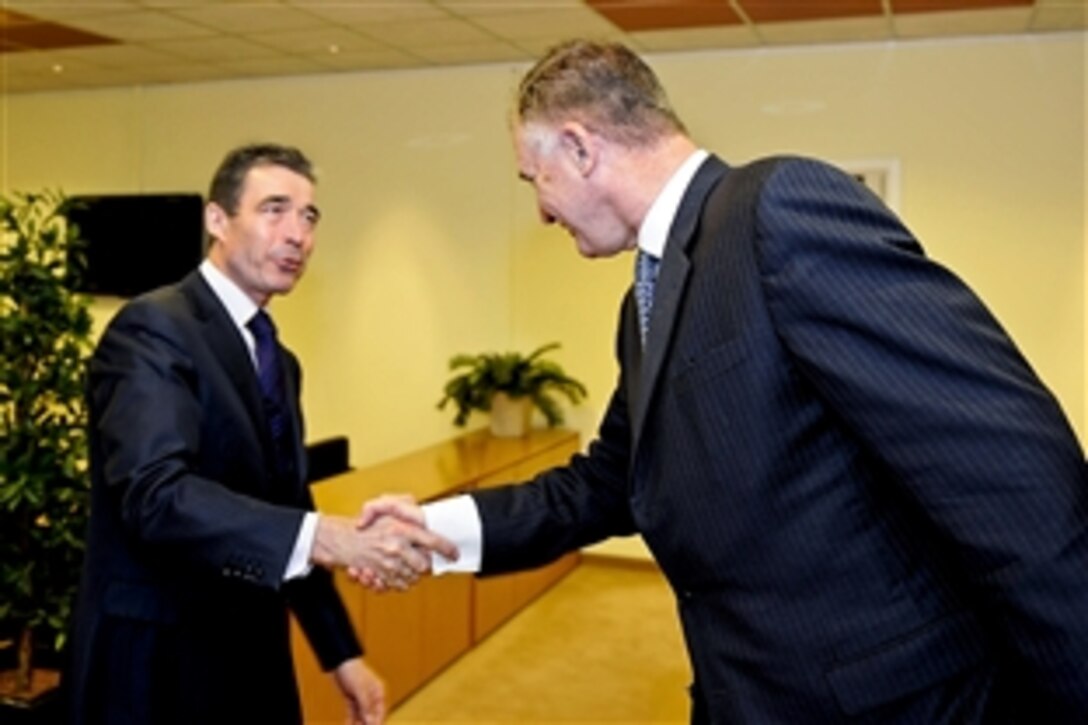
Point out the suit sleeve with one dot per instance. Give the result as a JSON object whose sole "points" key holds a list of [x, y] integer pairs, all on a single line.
{"points": [[563, 509], [322, 616], [925, 378], [147, 409]]}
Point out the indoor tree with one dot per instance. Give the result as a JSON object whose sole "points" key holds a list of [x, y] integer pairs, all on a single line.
{"points": [[45, 338]]}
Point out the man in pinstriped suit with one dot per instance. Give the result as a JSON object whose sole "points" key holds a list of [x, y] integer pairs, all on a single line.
{"points": [[870, 508]]}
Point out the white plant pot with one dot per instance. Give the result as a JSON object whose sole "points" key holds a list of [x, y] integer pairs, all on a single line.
{"points": [[510, 416]]}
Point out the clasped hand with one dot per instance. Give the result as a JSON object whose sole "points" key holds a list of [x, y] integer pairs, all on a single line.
{"points": [[387, 547]]}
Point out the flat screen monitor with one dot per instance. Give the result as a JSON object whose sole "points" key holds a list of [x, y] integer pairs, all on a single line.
{"points": [[136, 242]]}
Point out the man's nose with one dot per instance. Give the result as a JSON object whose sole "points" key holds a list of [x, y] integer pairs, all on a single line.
{"points": [[297, 230]]}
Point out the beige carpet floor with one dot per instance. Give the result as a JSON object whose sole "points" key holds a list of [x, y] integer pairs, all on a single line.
{"points": [[601, 646]]}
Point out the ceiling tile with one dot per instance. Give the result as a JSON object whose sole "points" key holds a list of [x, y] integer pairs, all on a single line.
{"points": [[564, 22], [1060, 15], [932, 6], [777, 11], [366, 13], [826, 31], [449, 31], [371, 60], [493, 52], [45, 34], [173, 4], [736, 36], [119, 56], [318, 41], [215, 49], [197, 40], [249, 17], [9, 18], [146, 25], [537, 47], [59, 10], [634, 15], [961, 22], [481, 8], [282, 65]]}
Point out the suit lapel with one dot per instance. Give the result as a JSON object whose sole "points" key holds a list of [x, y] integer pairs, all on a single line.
{"points": [[671, 284], [229, 349], [290, 365]]}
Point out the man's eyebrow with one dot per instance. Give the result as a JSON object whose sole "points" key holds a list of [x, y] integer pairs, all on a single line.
{"points": [[525, 177], [285, 199]]}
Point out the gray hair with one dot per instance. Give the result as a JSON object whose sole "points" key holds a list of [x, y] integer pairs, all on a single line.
{"points": [[604, 86]]}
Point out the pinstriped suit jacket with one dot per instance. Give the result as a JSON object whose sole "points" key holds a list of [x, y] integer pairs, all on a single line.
{"points": [[870, 508], [182, 613]]}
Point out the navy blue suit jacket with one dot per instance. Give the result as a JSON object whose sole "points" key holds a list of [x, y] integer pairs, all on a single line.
{"points": [[869, 507], [182, 613]]}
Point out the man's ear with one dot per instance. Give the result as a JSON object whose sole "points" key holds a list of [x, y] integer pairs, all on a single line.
{"points": [[580, 146], [215, 220]]}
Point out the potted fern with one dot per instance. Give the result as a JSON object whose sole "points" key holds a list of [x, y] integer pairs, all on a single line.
{"points": [[510, 386], [45, 338]]}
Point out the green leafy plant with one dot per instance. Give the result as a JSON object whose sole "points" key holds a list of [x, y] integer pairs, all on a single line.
{"points": [[519, 376], [45, 338]]}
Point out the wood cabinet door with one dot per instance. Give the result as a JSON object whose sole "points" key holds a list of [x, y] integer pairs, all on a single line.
{"points": [[497, 598]]}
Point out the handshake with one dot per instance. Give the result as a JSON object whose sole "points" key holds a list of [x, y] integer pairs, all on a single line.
{"points": [[387, 547]]}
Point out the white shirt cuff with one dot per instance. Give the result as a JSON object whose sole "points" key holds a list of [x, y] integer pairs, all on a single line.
{"points": [[458, 520], [299, 564]]}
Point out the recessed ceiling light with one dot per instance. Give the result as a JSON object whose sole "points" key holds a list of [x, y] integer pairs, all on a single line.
{"points": [[57, 68], [334, 48]]}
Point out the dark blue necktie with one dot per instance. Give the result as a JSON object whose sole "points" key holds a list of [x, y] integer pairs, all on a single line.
{"points": [[646, 266], [270, 375]]}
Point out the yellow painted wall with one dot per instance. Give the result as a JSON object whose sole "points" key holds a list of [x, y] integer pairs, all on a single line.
{"points": [[430, 246]]}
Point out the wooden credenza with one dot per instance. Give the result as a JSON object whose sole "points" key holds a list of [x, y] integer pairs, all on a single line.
{"points": [[411, 636]]}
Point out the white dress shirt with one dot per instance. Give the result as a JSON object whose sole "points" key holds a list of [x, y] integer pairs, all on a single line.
{"points": [[457, 518]]}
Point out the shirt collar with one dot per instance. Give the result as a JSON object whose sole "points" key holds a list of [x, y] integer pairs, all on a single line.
{"points": [[239, 306], [654, 231]]}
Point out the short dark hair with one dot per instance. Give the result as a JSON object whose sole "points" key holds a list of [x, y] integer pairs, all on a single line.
{"points": [[605, 86], [226, 188]]}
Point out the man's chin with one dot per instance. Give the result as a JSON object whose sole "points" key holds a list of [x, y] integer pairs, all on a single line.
{"points": [[590, 252], [586, 249], [284, 283]]}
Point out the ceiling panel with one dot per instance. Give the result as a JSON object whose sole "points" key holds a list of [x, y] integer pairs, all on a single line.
{"points": [[776, 11], [572, 20], [635, 15], [170, 41], [846, 30], [980, 22]]}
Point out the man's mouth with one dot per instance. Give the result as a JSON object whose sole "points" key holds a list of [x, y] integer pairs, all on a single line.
{"points": [[289, 266]]}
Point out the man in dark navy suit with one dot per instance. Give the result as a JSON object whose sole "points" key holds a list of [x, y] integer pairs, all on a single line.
{"points": [[870, 508], [202, 532]]}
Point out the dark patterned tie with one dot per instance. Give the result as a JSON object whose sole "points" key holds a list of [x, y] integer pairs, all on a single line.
{"points": [[646, 266], [270, 375]]}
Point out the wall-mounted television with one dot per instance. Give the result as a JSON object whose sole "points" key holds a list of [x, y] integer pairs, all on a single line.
{"points": [[137, 242]]}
